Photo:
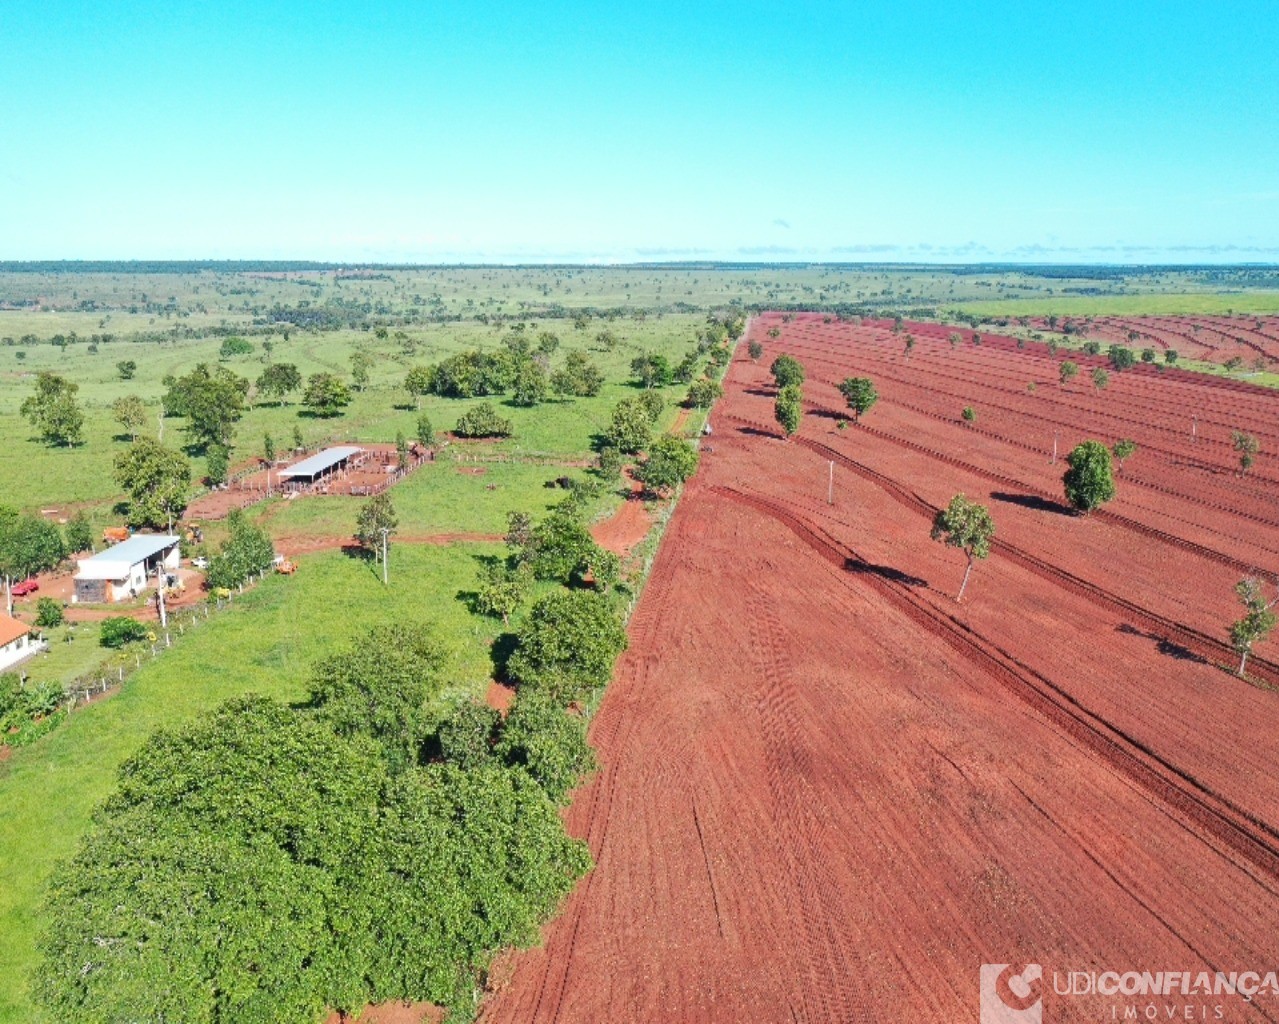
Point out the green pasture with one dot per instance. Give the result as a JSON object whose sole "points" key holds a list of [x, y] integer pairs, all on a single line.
{"points": [[1201, 302], [36, 476], [265, 643]]}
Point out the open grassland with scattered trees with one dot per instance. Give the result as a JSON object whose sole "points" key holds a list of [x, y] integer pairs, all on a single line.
{"points": [[530, 421]]}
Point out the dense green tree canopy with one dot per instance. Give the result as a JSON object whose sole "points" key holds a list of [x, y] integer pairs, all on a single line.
{"points": [[247, 552], [786, 370], [326, 394], [157, 481], [579, 376], [279, 380], [1090, 480], [28, 544], [671, 460], [631, 428], [568, 645], [483, 421], [860, 394], [54, 411], [212, 400]]}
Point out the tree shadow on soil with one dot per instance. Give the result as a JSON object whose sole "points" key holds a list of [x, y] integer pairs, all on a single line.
{"points": [[762, 392], [1163, 644], [756, 432], [884, 572], [1033, 501]]}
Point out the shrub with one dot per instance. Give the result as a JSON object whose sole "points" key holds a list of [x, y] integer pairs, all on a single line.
{"points": [[119, 630], [48, 613], [483, 421]]}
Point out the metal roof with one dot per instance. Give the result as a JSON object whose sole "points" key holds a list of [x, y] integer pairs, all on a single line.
{"points": [[114, 563], [321, 461]]}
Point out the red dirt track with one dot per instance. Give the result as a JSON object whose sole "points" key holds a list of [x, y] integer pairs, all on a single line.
{"points": [[829, 793]]}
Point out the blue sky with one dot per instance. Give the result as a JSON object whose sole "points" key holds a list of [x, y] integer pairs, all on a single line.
{"points": [[1097, 131]]}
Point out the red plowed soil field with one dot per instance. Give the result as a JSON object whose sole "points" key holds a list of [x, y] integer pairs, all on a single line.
{"points": [[829, 793], [1213, 339]]}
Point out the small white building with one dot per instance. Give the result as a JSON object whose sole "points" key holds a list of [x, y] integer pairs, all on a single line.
{"points": [[125, 569], [16, 642]]}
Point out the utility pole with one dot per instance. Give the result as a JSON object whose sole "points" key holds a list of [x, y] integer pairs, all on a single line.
{"points": [[385, 531], [1194, 429], [8, 595], [830, 486], [1055, 433], [159, 594]]}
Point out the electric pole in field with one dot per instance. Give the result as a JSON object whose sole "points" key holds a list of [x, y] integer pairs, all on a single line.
{"points": [[159, 594], [385, 531], [1055, 433], [830, 485]]}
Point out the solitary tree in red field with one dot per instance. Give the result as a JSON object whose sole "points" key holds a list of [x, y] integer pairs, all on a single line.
{"points": [[965, 525]]}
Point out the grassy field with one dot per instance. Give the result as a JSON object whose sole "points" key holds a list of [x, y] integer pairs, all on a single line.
{"points": [[35, 476], [266, 643], [1206, 303]]}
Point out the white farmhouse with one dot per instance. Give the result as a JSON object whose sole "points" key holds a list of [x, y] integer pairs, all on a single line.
{"points": [[125, 569], [16, 642]]}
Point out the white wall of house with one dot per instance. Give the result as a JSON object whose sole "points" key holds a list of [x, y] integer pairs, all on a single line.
{"points": [[15, 650]]}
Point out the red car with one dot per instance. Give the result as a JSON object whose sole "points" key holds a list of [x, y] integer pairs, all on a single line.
{"points": [[26, 587]]}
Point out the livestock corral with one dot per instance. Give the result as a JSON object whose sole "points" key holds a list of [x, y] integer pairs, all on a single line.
{"points": [[830, 792]]}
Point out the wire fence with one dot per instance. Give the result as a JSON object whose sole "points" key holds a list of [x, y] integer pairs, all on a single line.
{"points": [[113, 672]]}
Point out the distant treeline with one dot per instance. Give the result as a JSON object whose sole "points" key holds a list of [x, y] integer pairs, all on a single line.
{"points": [[1084, 271]]}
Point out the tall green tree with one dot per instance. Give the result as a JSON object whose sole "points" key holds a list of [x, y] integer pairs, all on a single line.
{"points": [[157, 481], [671, 460], [130, 413], [54, 411], [375, 515], [279, 380], [966, 525], [326, 394], [1257, 623], [788, 409], [1090, 480], [361, 364], [860, 394], [630, 429], [212, 400], [568, 645], [247, 552], [28, 544], [786, 370]]}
